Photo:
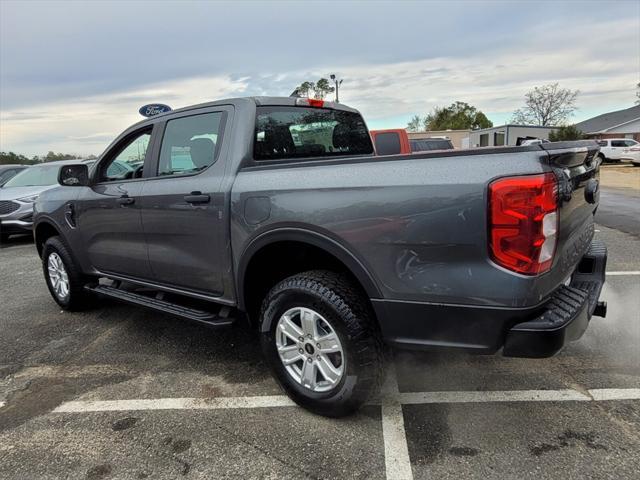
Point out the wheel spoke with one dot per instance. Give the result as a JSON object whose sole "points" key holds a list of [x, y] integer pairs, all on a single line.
{"points": [[327, 370], [308, 375], [328, 343], [290, 354], [308, 321], [290, 329]]}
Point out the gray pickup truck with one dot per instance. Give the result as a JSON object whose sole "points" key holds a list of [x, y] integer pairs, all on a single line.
{"points": [[276, 211]]}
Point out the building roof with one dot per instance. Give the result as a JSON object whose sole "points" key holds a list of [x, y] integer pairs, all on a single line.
{"points": [[607, 121], [511, 125]]}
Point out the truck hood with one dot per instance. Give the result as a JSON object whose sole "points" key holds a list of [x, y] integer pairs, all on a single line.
{"points": [[13, 193]]}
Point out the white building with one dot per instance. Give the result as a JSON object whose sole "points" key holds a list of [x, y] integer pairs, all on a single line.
{"points": [[506, 135]]}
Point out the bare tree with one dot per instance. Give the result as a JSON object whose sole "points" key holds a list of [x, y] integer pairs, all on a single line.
{"points": [[415, 124], [547, 105]]}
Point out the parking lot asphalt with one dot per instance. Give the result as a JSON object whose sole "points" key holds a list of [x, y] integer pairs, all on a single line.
{"points": [[155, 397]]}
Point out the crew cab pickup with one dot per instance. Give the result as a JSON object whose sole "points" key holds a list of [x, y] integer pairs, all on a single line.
{"points": [[276, 211]]}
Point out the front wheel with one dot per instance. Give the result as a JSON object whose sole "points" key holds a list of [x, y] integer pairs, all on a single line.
{"points": [[321, 342], [63, 276]]}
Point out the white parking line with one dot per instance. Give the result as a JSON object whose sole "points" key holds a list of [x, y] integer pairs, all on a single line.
{"points": [[390, 400], [603, 394], [396, 452], [622, 273], [175, 404], [493, 396]]}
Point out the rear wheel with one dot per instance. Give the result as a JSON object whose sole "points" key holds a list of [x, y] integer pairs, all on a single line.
{"points": [[321, 342], [63, 276]]}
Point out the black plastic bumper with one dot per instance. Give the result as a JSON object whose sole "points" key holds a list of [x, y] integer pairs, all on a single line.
{"points": [[566, 316]]}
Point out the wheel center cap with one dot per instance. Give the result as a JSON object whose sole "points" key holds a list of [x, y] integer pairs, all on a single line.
{"points": [[309, 348]]}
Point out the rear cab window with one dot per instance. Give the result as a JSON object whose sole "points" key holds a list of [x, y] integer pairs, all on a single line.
{"points": [[426, 144], [299, 132], [388, 143]]}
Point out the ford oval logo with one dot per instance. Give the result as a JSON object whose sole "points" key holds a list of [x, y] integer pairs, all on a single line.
{"points": [[154, 109]]}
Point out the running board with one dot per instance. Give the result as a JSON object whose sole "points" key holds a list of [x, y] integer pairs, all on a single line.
{"points": [[208, 318]]}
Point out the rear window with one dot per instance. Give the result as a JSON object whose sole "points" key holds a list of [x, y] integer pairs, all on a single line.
{"points": [[388, 143], [300, 132], [424, 144]]}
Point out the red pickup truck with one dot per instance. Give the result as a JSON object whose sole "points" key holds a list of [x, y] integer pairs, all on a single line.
{"points": [[396, 141]]}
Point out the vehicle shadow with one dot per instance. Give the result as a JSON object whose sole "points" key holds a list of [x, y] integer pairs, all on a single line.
{"points": [[17, 240]]}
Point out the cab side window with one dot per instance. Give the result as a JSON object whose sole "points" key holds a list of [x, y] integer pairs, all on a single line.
{"points": [[127, 163], [190, 144]]}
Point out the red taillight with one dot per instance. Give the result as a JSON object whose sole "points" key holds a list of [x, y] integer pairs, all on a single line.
{"points": [[523, 222]]}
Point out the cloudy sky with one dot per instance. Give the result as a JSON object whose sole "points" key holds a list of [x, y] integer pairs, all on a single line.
{"points": [[73, 74]]}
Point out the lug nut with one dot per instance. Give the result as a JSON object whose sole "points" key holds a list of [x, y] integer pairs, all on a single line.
{"points": [[309, 359], [317, 345], [300, 350], [301, 339]]}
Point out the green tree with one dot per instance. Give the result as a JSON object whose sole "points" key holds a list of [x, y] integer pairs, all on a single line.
{"points": [[415, 124], [305, 89], [10, 158], [323, 88], [547, 105], [457, 116], [564, 133], [319, 89]]}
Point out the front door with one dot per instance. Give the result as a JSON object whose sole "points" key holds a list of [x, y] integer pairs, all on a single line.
{"points": [[182, 206], [108, 212]]}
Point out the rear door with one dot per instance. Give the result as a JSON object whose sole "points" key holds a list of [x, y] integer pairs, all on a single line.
{"points": [[183, 206], [108, 212], [617, 148]]}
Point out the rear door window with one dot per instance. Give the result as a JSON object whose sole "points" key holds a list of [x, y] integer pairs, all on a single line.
{"points": [[300, 132], [190, 144], [618, 143]]}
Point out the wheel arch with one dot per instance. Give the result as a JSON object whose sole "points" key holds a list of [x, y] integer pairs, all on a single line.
{"points": [[290, 239], [42, 231]]}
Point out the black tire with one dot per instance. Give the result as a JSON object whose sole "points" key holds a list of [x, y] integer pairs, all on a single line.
{"points": [[4, 237], [602, 158], [77, 298], [349, 314]]}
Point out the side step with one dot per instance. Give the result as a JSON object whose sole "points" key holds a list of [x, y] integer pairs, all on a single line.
{"points": [[213, 320]]}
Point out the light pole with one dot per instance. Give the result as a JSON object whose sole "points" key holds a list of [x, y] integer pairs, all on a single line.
{"points": [[337, 84]]}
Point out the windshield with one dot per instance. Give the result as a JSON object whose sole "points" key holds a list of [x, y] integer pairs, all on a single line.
{"points": [[36, 176]]}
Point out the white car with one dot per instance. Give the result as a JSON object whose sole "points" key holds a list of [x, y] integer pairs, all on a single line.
{"points": [[616, 149]]}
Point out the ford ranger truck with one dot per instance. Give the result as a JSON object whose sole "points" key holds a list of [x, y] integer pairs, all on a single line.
{"points": [[277, 211]]}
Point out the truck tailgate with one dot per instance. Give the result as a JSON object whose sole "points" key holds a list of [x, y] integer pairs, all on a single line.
{"points": [[576, 167]]}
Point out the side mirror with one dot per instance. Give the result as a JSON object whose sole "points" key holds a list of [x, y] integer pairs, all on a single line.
{"points": [[75, 175]]}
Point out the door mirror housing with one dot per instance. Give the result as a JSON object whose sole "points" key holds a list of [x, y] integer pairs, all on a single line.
{"points": [[75, 175]]}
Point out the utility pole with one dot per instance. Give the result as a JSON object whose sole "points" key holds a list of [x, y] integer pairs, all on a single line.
{"points": [[337, 84]]}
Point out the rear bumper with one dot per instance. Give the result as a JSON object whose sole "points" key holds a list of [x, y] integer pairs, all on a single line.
{"points": [[566, 316], [539, 331]]}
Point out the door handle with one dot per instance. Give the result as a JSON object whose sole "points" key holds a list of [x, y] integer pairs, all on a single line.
{"points": [[125, 200], [197, 197]]}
